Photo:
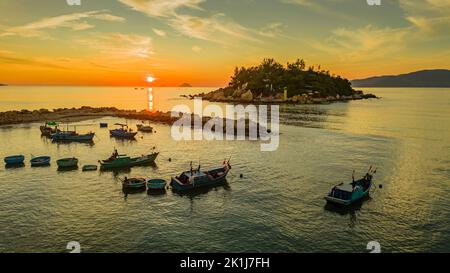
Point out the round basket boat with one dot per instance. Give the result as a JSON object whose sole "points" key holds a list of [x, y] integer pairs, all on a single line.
{"points": [[88, 168], [156, 184]]}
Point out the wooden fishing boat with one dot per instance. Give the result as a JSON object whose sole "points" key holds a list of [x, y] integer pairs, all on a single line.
{"points": [[133, 183], [347, 194], [40, 161], [67, 162], [49, 128], [87, 168], [14, 160], [72, 136], [124, 161], [194, 179], [122, 132], [156, 184], [144, 128]]}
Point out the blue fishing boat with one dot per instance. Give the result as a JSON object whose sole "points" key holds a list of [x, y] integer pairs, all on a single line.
{"points": [[14, 160], [133, 183], [122, 132], [40, 161], [67, 162], [156, 184], [117, 161], [347, 194], [194, 179], [71, 136]]}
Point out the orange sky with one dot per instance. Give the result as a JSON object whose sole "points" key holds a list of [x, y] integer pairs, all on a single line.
{"points": [[121, 42]]}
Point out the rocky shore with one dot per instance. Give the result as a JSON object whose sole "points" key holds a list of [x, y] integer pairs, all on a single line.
{"points": [[246, 96], [66, 115]]}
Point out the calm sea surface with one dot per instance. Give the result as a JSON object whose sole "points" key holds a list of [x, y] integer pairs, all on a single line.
{"points": [[277, 206]]}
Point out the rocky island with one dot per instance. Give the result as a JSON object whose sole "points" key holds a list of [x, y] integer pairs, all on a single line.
{"points": [[271, 82]]}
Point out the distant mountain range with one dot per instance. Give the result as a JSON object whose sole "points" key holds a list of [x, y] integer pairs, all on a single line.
{"points": [[423, 78], [185, 85]]}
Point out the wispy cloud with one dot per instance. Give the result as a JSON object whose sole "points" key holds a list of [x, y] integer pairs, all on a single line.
{"points": [[118, 45], [362, 44], [161, 8], [272, 30], [196, 49], [73, 21], [430, 17], [11, 58], [215, 28], [159, 32]]}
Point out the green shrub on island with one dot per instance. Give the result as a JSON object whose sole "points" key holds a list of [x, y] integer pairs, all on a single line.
{"points": [[271, 78]]}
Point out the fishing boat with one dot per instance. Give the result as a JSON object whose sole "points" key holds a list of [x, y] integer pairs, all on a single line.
{"points": [[156, 184], [117, 161], [133, 183], [347, 194], [144, 128], [122, 132], [72, 136], [40, 161], [194, 179], [88, 168], [67, 162], [49, 128], [14, 160]]}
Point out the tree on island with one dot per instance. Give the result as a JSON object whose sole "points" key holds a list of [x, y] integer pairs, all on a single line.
{"points": [[271, 78]]}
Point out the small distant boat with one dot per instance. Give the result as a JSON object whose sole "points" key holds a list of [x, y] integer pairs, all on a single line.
{"points": [[67, 163], [133, 183], [49, 128], [156, 184], [40, 161], [14, 160], [87, 168], [122, 132], [194, 179], [144, 128], [72, 136], [347, 194], [117, 161], [103, 125]]}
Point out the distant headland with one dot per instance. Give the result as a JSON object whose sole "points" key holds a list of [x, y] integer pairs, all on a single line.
{"points": [[423, 78], [271, 82], [185, 85]]}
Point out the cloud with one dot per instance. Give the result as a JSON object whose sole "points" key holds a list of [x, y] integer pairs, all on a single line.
{"points": [[363, 44], [216, 28], [306, 3], [118, 45], [196, 49], [74, 21], [160, 32], [161, 8], [11, 58], [271, 30]]}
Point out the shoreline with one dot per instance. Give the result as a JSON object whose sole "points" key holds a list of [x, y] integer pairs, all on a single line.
{"points": [[245, 97], [65, 115]]}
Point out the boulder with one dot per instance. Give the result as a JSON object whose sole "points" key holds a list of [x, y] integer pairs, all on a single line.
{"points": [[247, 96]]}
